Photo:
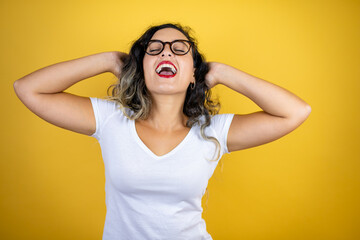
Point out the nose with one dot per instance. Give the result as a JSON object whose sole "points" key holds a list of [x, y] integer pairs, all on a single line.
{"points": [[166, 51]]}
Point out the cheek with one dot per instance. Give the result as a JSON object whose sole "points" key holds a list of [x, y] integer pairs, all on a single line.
{"points": [[188, 71], [147, 66]]}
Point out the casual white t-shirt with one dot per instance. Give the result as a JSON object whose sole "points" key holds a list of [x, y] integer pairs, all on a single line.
{"points": [[154, 197]]}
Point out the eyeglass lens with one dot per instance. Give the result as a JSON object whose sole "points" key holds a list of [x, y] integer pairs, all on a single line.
{"points": [[178, 47]]}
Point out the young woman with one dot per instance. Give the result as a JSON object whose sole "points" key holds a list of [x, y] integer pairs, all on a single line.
{"points": [[160, 133]]}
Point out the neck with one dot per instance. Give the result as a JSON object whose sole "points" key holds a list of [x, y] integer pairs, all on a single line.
{"points": [[167, 113]]}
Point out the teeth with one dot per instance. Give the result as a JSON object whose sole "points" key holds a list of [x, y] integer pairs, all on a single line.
{"points": [[158, 70]]}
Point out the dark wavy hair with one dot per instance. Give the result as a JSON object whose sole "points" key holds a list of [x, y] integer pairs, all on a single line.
{"points": [[131, 92]]}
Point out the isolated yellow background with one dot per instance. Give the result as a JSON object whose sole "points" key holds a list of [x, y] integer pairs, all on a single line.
{"points": [[303, 186]]}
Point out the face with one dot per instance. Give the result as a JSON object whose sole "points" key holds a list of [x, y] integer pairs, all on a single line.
{"points": [[183, 63]]}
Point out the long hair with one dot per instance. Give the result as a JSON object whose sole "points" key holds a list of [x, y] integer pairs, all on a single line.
{"points": [[131, 92]]}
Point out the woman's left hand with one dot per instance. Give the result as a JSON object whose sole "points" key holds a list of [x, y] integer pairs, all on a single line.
{"points": [[211, 78]]}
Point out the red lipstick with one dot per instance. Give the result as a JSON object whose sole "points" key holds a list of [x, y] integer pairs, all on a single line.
{"points": [[166, 76], [166, 62]]}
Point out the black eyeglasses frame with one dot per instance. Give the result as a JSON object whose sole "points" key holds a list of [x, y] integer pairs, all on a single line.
{"points": [[170, 43]]}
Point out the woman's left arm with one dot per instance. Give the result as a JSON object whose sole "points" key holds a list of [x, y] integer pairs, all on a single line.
{"points": [[282, 110]]}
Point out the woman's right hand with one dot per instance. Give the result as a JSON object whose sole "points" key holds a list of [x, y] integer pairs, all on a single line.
{"points": [[118, 62]]}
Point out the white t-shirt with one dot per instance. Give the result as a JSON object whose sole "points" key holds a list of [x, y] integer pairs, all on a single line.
{"points": [[150, 197]]}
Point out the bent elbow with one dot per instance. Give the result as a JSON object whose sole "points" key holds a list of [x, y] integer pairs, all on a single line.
{"points": [[307, 111], [16, 87], [303, 113]]}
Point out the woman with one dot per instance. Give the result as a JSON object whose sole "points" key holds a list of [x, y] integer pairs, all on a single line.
{"points": [[161, 137]]}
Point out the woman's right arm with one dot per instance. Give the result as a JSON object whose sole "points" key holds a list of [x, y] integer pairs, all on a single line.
{"points": [[42, 90]]}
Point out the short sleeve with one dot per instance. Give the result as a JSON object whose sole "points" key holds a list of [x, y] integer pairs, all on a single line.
{"points": [[103, 109], [221, 124]]}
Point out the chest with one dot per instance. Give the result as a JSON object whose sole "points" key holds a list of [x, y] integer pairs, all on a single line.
{"points": [[130, 165], [160, 143]]}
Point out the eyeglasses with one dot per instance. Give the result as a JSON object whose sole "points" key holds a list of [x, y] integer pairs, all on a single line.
{"points": [[178, 47]]}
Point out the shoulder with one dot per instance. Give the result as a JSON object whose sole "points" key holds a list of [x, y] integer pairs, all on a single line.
{"points": [[219, 128], [103, 101], [219, 122], [106, 110], [107, 106], [219, 119]]}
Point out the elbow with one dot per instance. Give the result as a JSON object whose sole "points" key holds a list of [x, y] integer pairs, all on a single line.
{"points": [[299, 115], [20, 90], [306, 111], [303, 113], [16, 87]]}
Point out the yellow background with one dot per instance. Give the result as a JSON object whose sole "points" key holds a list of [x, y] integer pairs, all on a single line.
{"points": [[303, 186]]}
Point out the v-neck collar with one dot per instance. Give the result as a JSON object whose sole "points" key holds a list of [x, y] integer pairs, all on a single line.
{"points": [[151, 153]]}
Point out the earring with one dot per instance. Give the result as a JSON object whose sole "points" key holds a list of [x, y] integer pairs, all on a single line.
{"points": [[192, 85]]}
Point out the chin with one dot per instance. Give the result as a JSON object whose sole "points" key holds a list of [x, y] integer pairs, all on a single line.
{"points": [[167, 90]]}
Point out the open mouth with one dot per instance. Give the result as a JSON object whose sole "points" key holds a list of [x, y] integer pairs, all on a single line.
{"points": [[166, 70], [166, 74]]}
